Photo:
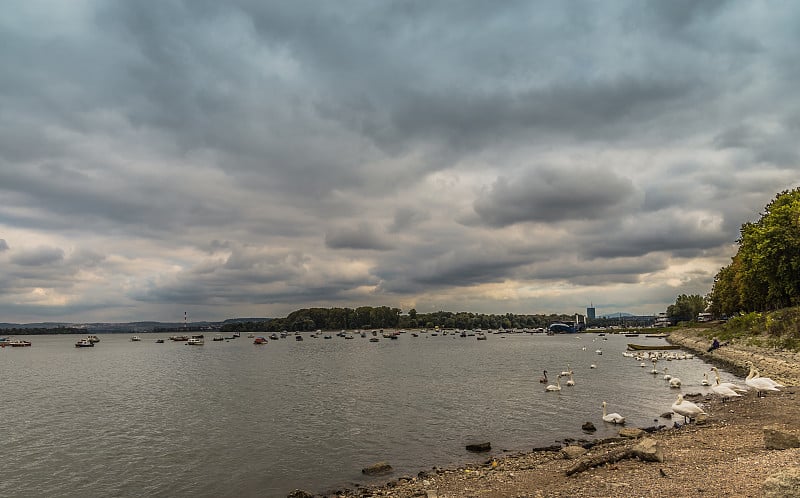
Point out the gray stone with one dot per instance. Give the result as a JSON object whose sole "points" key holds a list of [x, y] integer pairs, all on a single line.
{"points": [[784, 484], [300, 493], [572, 452], [649, 450], [631, 433], [779, 438], [479, 447], [377, 469]]}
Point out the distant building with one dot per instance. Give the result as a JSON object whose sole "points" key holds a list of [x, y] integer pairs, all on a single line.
{"points": [[590, 312], [662, 320]]}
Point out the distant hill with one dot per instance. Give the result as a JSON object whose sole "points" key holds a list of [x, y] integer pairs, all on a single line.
{"points": [[121, 328], [617, 315]]}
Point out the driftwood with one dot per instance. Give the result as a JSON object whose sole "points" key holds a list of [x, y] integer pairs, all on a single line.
{"points": [[611, 457]]}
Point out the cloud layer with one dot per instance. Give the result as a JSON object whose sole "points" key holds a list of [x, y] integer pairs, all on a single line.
{"points": [[250, 158]]}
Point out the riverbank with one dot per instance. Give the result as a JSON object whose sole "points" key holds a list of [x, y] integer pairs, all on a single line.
{"points": [[726, 454]]}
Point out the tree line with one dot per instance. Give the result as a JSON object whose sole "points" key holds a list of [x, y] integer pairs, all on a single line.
{"points": [[764, 274], [368, 317]]}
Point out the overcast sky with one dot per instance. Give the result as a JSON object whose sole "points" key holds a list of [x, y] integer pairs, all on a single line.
{"points": [[249, 158]]}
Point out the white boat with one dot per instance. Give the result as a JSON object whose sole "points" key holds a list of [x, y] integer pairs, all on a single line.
{"points": [[93, 338], [84, 343], [195, 341], [136, 338]]}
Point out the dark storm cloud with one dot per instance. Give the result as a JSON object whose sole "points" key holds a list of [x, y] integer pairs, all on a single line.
{"points": [[227, 154], [362, 236], [551, 195], [40, 256]]}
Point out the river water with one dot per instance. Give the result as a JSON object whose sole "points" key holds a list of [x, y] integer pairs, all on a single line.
{"points": [[233, 418]]}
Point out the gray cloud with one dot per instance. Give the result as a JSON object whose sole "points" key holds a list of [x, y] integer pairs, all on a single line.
{"points": [[359, 237], [244, 158], [550, 195]]}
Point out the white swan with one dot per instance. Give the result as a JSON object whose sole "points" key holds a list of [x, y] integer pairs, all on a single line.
{"points": [[760, 384], [654, 371], [724, 391], [614, 418], [556, 387], [705, 382], [729, 385], [592, 366], [675, 382], [666, 375], [566, 372], [765, 379], [686, 408], [571, 381]]}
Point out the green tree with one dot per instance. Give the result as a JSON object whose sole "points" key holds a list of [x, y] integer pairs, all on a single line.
{"points": [[686, 308], [765, 272]]}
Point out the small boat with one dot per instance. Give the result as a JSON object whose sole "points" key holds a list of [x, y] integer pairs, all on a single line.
{"points": [[136, 338], [651, 347], [236, 334], [373, 339], [159, 341], [17, 343], [274, 336], [298, 337], [260, 340], [84, 343], [195, 341], [179, 338], [250, 336], [93, 338], [481, 336], [218, 338]]}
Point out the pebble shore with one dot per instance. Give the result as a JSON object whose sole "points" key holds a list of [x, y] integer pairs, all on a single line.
{"points": [[731, 453]]}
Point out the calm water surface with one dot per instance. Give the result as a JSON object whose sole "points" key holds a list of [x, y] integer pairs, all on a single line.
{"points": [[233, 418]]}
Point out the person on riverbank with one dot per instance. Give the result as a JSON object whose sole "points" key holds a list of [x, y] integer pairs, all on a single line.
{"points": [[714, 345]]}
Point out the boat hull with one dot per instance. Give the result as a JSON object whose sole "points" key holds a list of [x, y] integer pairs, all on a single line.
{"points": [[651, 347]]}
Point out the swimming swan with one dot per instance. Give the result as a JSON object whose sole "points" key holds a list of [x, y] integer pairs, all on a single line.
{"points": [[614, 418], [556, 387], [686, 408], [571, 381], [675, 382], [666, 375], [543, 378], [705, 382]]}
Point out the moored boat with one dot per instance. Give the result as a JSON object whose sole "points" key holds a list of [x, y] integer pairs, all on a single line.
{"points": [[218, 338], [260, 340], [179, 338], [17, 343], [651, 347], [136, 338], [84, 343], [195, 341], [93, 338]]}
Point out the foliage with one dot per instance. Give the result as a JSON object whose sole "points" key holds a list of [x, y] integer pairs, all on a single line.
{"points": [[686, 308], [367, 317], [765, 272]]}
